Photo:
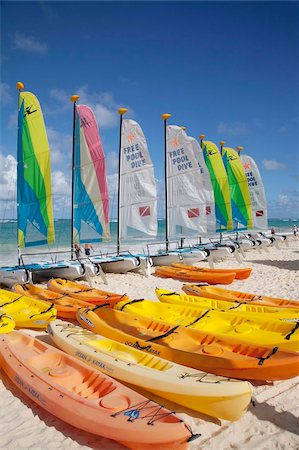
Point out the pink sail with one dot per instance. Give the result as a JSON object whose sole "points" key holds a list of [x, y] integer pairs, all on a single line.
{"points": [[91, 199]]}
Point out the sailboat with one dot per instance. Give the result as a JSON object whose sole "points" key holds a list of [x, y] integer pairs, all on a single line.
{"points": [[34, 196], [186, 201], [258, 203], [257, 193]]}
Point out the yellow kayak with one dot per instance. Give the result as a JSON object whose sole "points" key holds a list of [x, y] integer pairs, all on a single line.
{"points": [[7, 323], [213, 395], [283, 333], [26, 311], [237, 296], [166, 296]]}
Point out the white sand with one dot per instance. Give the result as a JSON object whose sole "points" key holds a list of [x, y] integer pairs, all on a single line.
{"points": [[271, 424]]}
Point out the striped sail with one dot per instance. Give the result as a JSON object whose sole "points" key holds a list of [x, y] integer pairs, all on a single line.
{"points": [[186, 197], [138, 193], [91, 200], [220, 185], [239, 192], [207, 187], [257, 193], [34, 191]]}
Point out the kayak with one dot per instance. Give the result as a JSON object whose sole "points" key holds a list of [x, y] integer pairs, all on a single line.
{"points": [[283, 333], [241, 273], [193, 348], [236, 296], [7, 323], [86, 398], [216, 396], [177, 298], [192, 275], [25, 311], [82, 292], [66, 306]]}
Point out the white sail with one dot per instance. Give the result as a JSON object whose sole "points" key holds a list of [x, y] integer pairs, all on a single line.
{"points": [[186, 198], [257, 193], [207, 185], [138, 193]]}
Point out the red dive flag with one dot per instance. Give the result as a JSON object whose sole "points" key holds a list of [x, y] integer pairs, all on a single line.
{"points": [[193, 212], [259, 213], [208, 210], [144, 211]]}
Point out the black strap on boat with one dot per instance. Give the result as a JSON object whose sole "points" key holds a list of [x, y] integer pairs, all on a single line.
{"points": [[9, 303], [43, 312], [161, 336], [234, 307], [288, 336], [261, 360], [132, 301], [169, 294], [200, 317], [100, 306], [193, 436]]}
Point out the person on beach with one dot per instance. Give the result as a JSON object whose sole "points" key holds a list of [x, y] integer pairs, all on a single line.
{"points": [[78, 250], [87, 249], [295, 230], [273, 231]]}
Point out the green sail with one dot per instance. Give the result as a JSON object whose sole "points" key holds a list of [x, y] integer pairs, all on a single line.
{"points": [[239, 192], [220, 185]]}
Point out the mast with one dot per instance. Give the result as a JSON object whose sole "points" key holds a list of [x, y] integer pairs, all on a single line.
{"points": [[239, 149], [165, 117], [74, 99], [221, 143], [121, 112], [201, 138], [20, 86]]}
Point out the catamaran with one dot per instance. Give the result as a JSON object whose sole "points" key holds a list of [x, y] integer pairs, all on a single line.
{"points": [[34, 197]]}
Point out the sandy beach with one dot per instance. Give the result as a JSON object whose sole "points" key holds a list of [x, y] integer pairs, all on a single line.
{"points": [[271, 421]]}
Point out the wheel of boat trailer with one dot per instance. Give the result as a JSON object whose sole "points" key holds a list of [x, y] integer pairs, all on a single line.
{"points": [[258, 241], [233, 248], [207, 252], [272, 239], [254, 242]]}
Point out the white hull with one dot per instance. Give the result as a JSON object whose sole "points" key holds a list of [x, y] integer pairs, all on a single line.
{"points": [[165, 259], [69, 273], [10, 277], [193, 256], [119, 266]]}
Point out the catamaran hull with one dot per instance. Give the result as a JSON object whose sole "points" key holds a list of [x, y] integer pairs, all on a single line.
{"points": [[166, 259], [10, 277], [194, 256], [69, 273], [120, 266]]}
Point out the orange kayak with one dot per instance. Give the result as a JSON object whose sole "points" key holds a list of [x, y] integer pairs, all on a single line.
{"points": [[193, 275], [237, 296], [88, 399], [66, 306], [241, 274], [226, 356], [83, 292]]}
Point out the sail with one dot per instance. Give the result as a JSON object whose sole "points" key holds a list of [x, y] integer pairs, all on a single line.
{"points": [[186, 198], [138, 194], [91, 200], [257, 193], [239, 192], [34, 191], [220, 185], [207, 187]]}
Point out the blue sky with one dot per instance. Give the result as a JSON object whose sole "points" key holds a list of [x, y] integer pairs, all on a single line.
{"points": [[225, 69]]}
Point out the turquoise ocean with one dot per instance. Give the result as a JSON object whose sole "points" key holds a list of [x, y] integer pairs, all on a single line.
{"points": [[8, 238]]}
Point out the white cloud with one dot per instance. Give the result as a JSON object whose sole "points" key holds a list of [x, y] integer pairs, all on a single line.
{"points": [[234, 129], [8, 177], [272, 164], [5, 95], [29, 44], [111, 163], [286, 205], [60, 146]]}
